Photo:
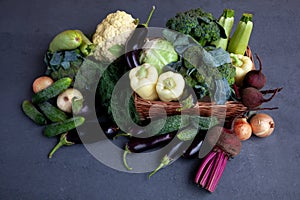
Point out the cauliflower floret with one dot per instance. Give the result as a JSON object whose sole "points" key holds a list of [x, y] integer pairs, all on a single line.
{"points": [[113, 30]]}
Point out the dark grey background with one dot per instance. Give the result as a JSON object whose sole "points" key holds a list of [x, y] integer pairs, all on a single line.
{"points": [[266, 168]]}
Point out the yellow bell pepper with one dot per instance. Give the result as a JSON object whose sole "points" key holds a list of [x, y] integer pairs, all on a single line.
{"points": [[143, 81], [170, 86]]}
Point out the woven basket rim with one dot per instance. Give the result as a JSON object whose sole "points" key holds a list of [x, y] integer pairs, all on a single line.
{"points": [[204, 108]]}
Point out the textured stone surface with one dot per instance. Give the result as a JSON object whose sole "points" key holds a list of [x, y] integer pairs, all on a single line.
{"points": [[265, 169]]}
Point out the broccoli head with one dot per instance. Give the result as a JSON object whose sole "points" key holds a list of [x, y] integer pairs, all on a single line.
{"points": [[227, 71], [201, 25]]}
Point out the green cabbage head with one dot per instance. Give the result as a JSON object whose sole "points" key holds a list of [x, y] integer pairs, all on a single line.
{"points": [[158, 52]]}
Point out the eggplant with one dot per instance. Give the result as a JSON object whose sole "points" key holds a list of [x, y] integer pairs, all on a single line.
{"points": [[174, 153], [109, 128], [194, 148], [71, 137], [136, 41], [66, 139], [178, 148], [137, 145]]}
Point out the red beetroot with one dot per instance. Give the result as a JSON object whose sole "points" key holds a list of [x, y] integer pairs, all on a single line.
{"points": [[213, 165], [255, 78], [252, 97]]}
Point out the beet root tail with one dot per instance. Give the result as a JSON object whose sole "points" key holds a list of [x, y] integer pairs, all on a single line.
{"points": [[274, 93]]}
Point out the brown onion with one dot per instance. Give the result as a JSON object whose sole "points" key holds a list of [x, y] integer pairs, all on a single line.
{"points": [[262, 125], [41, 83], [242, 128]]}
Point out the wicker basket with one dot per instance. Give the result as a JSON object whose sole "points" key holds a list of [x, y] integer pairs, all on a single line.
{"points": [[231, 108]]}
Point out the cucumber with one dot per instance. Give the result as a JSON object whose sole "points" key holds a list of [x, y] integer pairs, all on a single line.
{"points": [[62, 127], [52, 91], [52, 113], [30, 110]]}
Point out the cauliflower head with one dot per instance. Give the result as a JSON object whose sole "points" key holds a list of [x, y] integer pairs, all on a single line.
{"points": [[113, 30]]}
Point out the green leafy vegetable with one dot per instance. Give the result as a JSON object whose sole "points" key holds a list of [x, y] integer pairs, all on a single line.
{"points": [[203, 70], [107, 82], [187, 134], [220, 56], [63, 63], [88, 74], [222, 91]]}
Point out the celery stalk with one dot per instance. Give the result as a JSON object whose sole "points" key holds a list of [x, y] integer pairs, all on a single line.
{"points": [[240, 38], [226, 20]]}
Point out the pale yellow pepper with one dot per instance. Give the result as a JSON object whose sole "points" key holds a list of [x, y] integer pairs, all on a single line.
{"points": [[143, 81], [243, 65], [170, 86]]}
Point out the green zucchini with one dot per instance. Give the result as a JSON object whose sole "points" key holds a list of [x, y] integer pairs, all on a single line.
{"points": [[239, 41], [52, 113], [226, 21], [52, 91], [30, 110], [62, 127]]}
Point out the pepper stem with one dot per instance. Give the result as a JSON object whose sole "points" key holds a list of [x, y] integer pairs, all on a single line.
{"points": [[169, 83], [235, 60], [164, 162], [126, 151], [142, 72], [62, 142], [149, 17]]}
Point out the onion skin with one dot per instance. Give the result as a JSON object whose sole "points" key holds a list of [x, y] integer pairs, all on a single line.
{"points": [[242, 128], [262, 125], [41, 83]]}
